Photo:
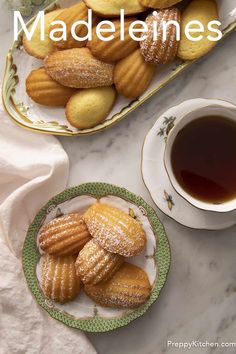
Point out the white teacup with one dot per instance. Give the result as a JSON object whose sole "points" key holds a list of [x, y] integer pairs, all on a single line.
{"points": [[223, 109]]}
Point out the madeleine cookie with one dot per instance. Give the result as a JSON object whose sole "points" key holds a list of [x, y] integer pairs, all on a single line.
{"points": [[128, 288], [89, 107], [78, 68], [94, 264], [203, 11], [111, 8], [64, 236], [41, 48], [59, 280], [77, 12], [42, 89], [114, 230], [159, 51], [115, 49], [159, 4], [133, 75]]}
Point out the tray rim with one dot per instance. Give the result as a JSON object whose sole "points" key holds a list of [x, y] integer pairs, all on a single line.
{"points": [[107, 123], [31, 255]]}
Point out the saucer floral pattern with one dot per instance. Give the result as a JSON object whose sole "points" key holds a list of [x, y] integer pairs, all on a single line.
{"points": [[168, 124]]}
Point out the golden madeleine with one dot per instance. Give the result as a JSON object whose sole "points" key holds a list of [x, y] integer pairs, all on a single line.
{"points": [[114, 230], [112, 8], [78, 68], [89, 107], [115, 49], [77, 12], [158, 51], [64, 236], [129, 287], [133, 75], [94, 264], [42, 89], [159, 4], [41, 48], [204, 11], [59, 280]]}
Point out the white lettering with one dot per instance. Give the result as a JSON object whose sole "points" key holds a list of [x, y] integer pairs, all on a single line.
{"points": [[139, 30], [87, 24], [100, 30], [188, 29], [63, 36], [165, 28], [215, 30], [29, 34]]}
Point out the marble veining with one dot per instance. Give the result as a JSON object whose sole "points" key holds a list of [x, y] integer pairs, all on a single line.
{"points": [[199, 299]]}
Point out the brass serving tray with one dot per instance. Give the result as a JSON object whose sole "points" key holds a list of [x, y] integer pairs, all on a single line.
{"points": [[42, 119]]}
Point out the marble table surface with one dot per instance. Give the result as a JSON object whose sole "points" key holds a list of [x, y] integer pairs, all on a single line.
{"points": [[199, 300]]}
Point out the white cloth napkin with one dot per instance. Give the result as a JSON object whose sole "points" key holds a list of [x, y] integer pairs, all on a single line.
{"points": [[33, 168]]}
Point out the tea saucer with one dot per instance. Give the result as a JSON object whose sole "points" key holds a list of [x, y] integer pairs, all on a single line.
{"points": [[157, 181]]}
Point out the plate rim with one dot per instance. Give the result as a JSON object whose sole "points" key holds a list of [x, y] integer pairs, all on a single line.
{"points": [[116, 117], [31, 256]]}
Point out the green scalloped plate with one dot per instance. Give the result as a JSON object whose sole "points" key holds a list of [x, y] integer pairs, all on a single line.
{"points": [[98, 319]]}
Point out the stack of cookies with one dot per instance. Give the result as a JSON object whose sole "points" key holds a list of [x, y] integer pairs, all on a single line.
{"points": [[92, 250], [86, 76]]}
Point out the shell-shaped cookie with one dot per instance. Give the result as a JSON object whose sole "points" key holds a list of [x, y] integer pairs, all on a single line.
{"points": [[128, 288], [133, 75], [115, 49], [110, 8], [64, 236], [159, 4], [114, 230], [35, 46], [94, 264], [59, 280], [158, 50], [70, 15], [203, 11], [89, 107], [78, 68], [42, 89]]}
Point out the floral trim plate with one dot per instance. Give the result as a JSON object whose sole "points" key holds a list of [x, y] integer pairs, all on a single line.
{"points": [[27, 7], [37, 118], [157, 181], [83, 313]]}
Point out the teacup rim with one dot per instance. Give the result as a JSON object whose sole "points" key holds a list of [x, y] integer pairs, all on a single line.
{"points": [[211, 207]]}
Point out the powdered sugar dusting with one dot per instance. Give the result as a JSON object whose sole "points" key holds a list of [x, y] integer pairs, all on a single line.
{"points": [[157, 51], [59, 280], [64, 236], [78, 68], [114, 230], [94, 264], [128, 288]]}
